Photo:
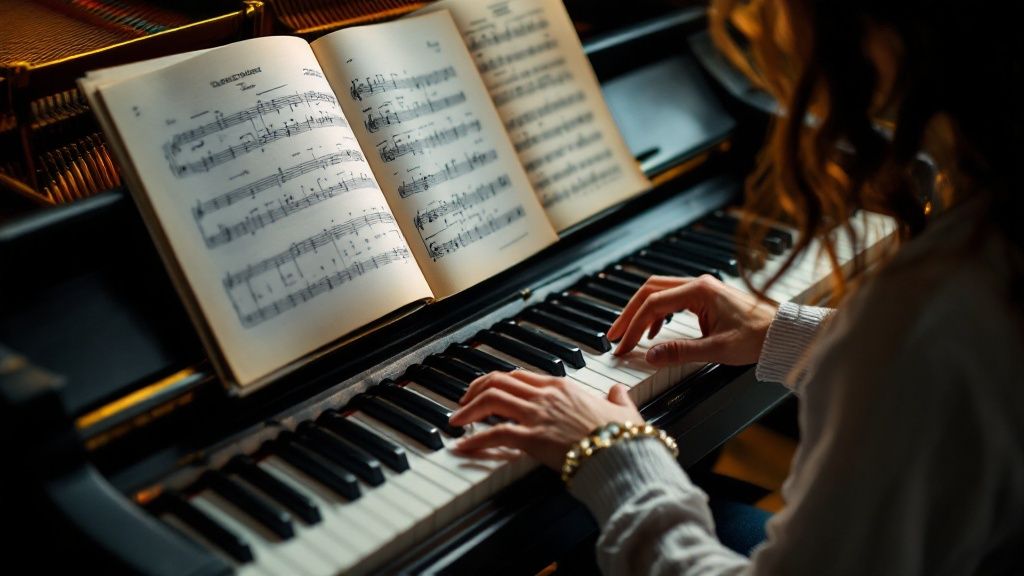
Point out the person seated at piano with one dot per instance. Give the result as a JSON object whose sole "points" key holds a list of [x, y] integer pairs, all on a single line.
{"points": [[911, 403]]}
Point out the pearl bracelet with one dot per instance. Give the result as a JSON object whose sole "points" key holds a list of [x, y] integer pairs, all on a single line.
{"points": [[608, 435]]}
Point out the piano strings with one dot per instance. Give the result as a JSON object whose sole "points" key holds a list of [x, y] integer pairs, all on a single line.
{"points": [[378, 84], [387, 117], [250, 190], [475, 233], [452, 169], [395, 148], [284, 207], [461, 202]]}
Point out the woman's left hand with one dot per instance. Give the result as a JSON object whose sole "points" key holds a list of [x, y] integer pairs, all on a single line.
{"points": [[547, 415]]}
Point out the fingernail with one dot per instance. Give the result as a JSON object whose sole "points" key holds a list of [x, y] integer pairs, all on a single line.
{"points": [[655, 354], [454, 417]]}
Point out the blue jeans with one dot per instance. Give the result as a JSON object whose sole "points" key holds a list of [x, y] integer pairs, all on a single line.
{"points": [[739, 526]]}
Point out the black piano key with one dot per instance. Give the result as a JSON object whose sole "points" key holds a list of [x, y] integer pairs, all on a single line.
{"points": [[586, 336], [299, 504], [698, 253], [773, 244], [568, 353], [571, 315], [418, 405], [685, 266], [453, 366], [479, 359], [392, 455], [231, 543], [591, 287], [619, 281], [271, 517], [621, 273], [406, 423], [710, 240], [339, 480], [349, 457], [783, 235], [582, 305], [437, 382], [543, 360]]}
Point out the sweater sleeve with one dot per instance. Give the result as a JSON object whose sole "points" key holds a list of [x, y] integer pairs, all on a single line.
{"points": [[789, 337]]}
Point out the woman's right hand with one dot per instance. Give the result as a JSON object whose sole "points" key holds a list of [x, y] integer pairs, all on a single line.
{"points": [[733, 323]]}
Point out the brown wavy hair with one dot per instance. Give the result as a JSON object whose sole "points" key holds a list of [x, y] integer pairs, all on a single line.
{"points": [[846, 138]]}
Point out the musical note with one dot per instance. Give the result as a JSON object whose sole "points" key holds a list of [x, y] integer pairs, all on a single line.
{"points": [[396, 148], [479, 40], [242, 116], [462, 202], [503, 97], [565, 127], [283, 208], [254, 141], [310, 244], [548, 108], [323, 285], [387, 117], [379, 84], [502, 60], [205, 207], [584, 184], [573, 168], [451, 170], [581, 141], [467, 236]]}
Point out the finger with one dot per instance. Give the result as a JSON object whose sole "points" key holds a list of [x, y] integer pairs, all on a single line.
{"points": [[500, 380], [506, 434], [652, 310], [533, 379], [652, 285], [496, 402], [678, 351], [619, 394]]}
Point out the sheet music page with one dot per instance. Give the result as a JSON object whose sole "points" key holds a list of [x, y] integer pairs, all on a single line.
{"points": [[270, 208], [437, 146], [546, 92]]}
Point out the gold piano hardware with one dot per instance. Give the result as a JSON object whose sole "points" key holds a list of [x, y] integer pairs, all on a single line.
{"points": [[690, 164]]}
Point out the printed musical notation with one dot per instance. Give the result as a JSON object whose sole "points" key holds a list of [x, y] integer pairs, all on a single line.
{"points": [[459, 203], [502, 60], [581, 141], [468, 234], [584, 184], [486, 38], [452, 169], [277, 179], [549, 107], [250, 141], [397, 147], [380, 83], [388, 117], [567, 126], [274, 211], [520, 90], [222, 122], [313, 266]]}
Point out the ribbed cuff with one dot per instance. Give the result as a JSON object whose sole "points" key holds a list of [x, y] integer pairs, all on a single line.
{"points": [[617, 474], [789, 337]]}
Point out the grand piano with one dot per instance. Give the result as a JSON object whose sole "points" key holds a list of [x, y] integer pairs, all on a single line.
{"points": [[123, 451]]}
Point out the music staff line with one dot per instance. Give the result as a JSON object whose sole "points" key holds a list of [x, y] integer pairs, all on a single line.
{"points": [[525, 89], [242, 116], [481, 40], [378, 84], [590, 181], [564, 127], [546, 109], [474, 234], [388, 117], [254, 142], [202, 208], [451, 170], [582, 141], [257, 220], [321, 286], [462, 201], [392, 150], [575, 167], [525, 74], [503, 60], [312, 244]]}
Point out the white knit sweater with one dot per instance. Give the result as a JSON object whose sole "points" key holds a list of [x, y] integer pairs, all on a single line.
{"points": [[912, 422]]}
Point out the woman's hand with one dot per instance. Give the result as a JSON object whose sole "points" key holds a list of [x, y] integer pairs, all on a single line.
{"points": [[734, 324], [548, 415]]}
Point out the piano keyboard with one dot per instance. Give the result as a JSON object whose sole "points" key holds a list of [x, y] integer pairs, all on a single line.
{"points": [[354, 486]]}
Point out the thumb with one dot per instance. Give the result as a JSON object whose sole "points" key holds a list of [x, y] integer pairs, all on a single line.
{"points": [[619, 394], [680, 351]]}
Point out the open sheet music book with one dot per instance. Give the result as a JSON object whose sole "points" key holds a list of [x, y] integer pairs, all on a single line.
{"points": [[301, 193]]}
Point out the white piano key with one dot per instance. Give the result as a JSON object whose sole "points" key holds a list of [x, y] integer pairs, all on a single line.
{"points": [[246, 569]]}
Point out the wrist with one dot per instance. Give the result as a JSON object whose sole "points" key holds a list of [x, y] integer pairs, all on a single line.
{"points": [[606, 436]]}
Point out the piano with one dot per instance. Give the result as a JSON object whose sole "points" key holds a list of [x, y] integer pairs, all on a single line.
{"points": [[127, 453]]}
